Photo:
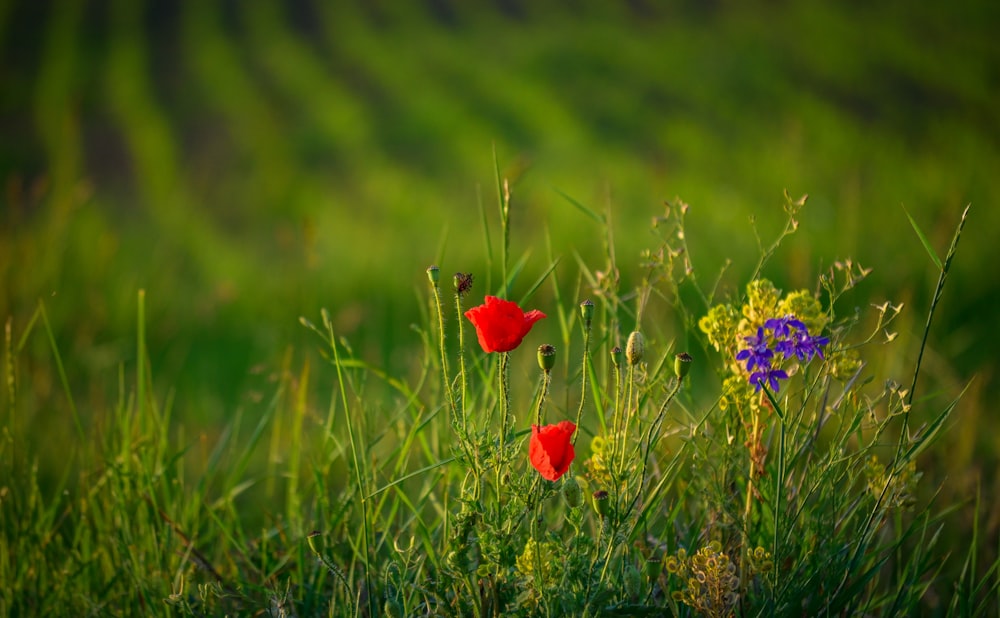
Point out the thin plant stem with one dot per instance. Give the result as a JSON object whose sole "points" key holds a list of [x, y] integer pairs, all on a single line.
{"points": [[504, 404], [942, 277], [445, 374], [546, 383], [583, 387], [463, 383]]}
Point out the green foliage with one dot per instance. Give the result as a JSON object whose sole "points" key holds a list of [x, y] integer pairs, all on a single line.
{"points": [[416, 496]]}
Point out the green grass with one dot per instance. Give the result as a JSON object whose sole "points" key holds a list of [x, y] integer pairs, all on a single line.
{"points": [[247, 167]]}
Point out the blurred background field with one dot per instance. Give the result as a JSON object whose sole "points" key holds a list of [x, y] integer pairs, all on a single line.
{"points": [[249, 163]]}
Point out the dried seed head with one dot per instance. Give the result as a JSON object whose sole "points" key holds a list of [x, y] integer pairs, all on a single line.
{"points": [[463, 283]]}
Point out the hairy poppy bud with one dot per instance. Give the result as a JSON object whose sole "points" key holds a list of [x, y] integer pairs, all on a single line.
{"points": [[635, 348], [546, 357], [572, 492]]}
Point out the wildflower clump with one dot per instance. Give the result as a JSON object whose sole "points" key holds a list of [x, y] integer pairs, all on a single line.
{"points": [[773, 335], [709, 582], [538, 560]]}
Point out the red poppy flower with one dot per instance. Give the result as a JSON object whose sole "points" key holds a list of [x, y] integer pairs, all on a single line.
{"points": [[501, 324], [550, 450]]}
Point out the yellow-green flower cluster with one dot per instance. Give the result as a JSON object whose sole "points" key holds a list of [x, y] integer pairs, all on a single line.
{"points": [[727, 327], [599, 463], [759, 560], [761, 305], [710, 583], [720, 326], [896, 491], [538, 559], [736, 391]]}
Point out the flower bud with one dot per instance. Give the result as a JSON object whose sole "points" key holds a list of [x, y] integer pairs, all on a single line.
{"points": [[433, 275], [653, 568], [616, 356], [587, 312], [546, 357], [635, 348], [572, 492], [393, 608], [602, 503], [682, 365]]}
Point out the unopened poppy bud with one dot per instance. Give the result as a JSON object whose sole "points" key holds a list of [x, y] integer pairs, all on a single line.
{"points": [[635, 348], [433, 275], [602, 503], [587, 312], [572, 492], [616, 356], [546, 357], [682, 365]]}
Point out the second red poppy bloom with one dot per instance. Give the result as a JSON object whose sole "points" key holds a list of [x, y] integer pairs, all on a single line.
{"points": [[501, 324], [550, 450]]}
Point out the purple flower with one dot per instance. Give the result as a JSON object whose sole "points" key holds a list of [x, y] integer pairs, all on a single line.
{"points": [[770, 376], [787, 336], [781, 327], [758, 354], [803, 346]]}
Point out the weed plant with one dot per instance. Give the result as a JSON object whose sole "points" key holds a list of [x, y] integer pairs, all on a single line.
{"points": [[677, 451]]}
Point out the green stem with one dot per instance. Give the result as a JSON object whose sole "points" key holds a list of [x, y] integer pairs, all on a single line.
{"points": [[583, 387], [504, 404], [546, 383], [461, 365], [444, 356]]}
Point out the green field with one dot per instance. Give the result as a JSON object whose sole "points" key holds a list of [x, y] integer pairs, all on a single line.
{"points": [[245, 164]]}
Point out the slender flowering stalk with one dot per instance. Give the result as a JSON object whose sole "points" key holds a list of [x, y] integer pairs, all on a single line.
{"points": [[587, 314]]}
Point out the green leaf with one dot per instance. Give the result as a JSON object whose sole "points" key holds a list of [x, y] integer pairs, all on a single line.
{"points": [[590, 213], [923, 239]]}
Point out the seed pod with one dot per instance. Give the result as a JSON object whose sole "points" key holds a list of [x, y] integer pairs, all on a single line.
{"points": [[635, 348], [682, 365], [433, 275], [587, 312], [546, 357], [602, 503]]}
